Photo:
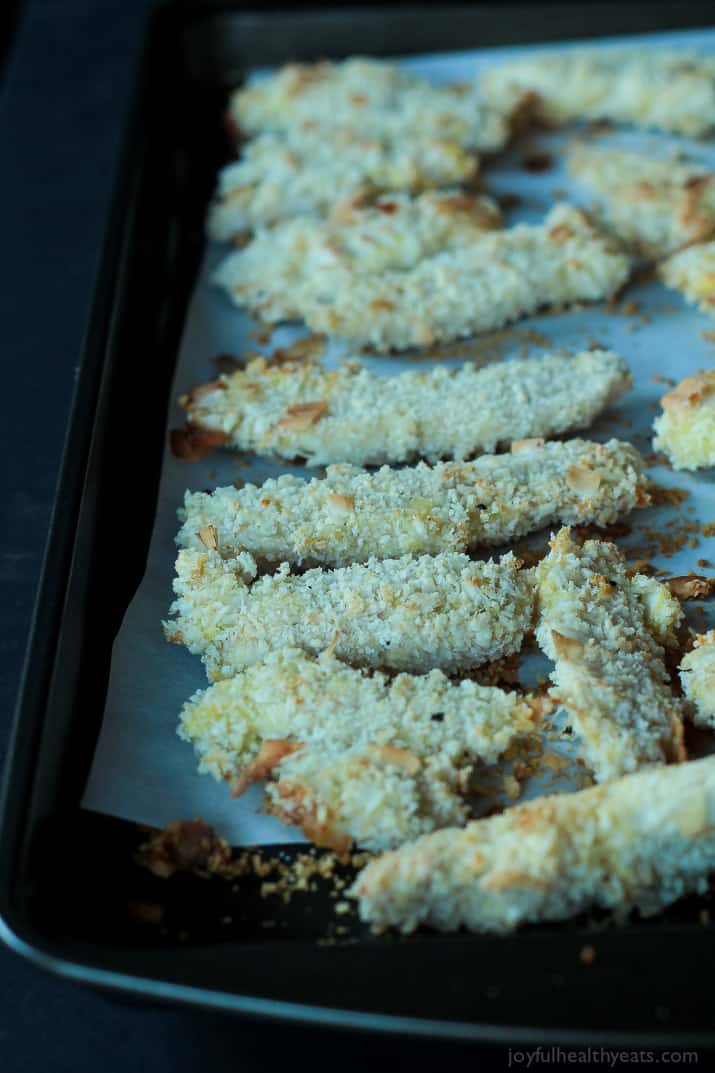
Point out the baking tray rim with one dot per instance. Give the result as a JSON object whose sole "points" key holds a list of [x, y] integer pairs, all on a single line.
{"points": [[39, 950]]}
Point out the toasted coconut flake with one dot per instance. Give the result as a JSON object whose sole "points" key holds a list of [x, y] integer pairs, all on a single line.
{"points": [[583, 479], [342, 502], [689, 392], [689, 587], [303, 415], [208, 535], [402, 758], [203, 389], [567, 647], [191, 443], [272, 751], [517, 446]]}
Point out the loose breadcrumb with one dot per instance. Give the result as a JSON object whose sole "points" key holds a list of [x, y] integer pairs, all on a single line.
{"points": [[692, 272], [671, 90], [306, 257], [686, 428], [606, 630], [379, 99], [497, 278], [411, 614], [353, 415], [640, 842], [353, 514], [281, 177], [697, 674], [657, 205], [352, 757]]}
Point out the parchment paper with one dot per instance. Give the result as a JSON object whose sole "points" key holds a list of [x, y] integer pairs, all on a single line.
{"points": [[142, 771]]}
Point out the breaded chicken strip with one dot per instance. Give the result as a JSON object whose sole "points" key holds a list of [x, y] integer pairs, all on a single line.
{"points": [[657, 205], [686, 428], [282, 177], [352, 757], [605, 631], [697, 674], [670, 90], [640, 842], [443, 611], [692, 272], [353, 514], [379, 99], [351, 414], [498, 278], [306, 255]]}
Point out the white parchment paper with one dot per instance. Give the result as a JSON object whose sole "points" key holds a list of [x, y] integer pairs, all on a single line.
{"points": [[142, 771]]}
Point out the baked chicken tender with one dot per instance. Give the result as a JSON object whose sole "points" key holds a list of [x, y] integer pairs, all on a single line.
{"points": [[380, 99], [351, 414], [606, 631], [280, 177], [352, 757], [697, 675], [640, 842], [307, 255], [671, 90], [497, 278], [444, 611], [656, 205], [353, 514], [685, 430], [692, 272]]}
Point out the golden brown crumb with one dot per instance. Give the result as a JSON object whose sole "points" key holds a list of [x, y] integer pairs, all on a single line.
{"points": [[191, 443], [208, 535], [588, 954], [303, 415], [184, 846], [309, 348], [146, 912]]}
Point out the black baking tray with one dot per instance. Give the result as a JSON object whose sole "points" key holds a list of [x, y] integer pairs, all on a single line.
{"points": [[71, 893]]}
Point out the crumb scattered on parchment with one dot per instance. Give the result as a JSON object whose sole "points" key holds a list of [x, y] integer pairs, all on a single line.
{"points": [[225, 364], [508, 201], [537, 161], [492, 346], [587, 954], [667, 380]]}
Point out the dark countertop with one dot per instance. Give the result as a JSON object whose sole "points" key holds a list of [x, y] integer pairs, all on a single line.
{"points": [[67, 86]]}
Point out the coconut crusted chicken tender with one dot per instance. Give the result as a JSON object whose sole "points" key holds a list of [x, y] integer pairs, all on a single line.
{"points": [[351, 414], [670, 90], [640, 842], [656, 205], [606, 631], [352, 757], [456, 292], [278, 178], [353, 514], [444, 611], [686, 428], [697, 675], [692, 272], [380, 99], [305, 255]]}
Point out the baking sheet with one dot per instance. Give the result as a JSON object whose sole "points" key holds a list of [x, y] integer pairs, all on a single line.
{"points": [[142, 771]]}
